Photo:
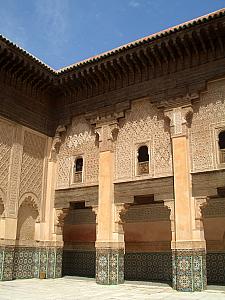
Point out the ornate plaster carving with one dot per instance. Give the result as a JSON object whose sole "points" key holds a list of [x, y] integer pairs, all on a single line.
{"points": [[32, 164], [95, 211], [79, 140], [60, 215], [179, 119], [6, 142], [30, 199], [106, 128], [57, 141], [144, 122], [209, 114], [119, 212], [200, 203]]}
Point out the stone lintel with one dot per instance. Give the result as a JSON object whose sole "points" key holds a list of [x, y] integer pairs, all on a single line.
{"points": [[110, 245], [190, 245]]}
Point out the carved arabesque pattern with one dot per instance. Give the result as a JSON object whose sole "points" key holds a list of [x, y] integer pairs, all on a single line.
{"points": [[6, 141], [143, 123], [2, 207], [208, 112], [79, 140], [32, 164]]}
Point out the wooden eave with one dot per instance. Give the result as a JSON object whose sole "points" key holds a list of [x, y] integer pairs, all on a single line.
{"points": [[152, 56]]}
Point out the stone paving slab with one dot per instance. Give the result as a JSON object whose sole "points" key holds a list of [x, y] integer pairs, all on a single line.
{"points": [[77, 288]]}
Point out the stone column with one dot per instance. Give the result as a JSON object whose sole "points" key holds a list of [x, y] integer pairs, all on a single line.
{"points": [[48, 256], [189, 250], [109, 242]]}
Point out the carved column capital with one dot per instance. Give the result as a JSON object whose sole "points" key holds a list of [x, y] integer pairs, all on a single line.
{"points": [[94, 208], [179, 111], [57, 141], [60, 214], [107, 134], [106, 128], [179, 118], [200, 202], [170, 205], [119, 210]]}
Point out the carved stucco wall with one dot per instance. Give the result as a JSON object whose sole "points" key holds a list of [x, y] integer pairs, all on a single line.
{"points": [[6, 142], [32, 168], [22, 156], [79, 141], [27, 216], [143, 124], [208, 117], [2, 206]]}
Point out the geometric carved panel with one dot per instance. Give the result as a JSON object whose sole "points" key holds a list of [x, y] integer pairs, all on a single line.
{"points": [[2, 207], [208, 114], [6, 141], [144, 124], [32, 164], [79, 140]]}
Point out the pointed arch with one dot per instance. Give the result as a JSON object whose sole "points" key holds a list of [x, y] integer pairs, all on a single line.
{"points": [[30, 199], [28, 213]]}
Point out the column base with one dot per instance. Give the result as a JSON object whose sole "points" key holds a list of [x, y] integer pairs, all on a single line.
{"points": [[189, 270], [109, 266]]}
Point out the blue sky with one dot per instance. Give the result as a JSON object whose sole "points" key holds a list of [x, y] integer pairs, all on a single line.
{"points": [[62, 32]]}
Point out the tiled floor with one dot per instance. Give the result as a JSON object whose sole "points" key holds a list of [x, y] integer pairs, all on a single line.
{"points": [[71, 288]]}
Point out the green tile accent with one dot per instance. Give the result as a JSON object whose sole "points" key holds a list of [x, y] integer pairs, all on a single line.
{"points": [[189, 270], [109, 266], [28, 262]]}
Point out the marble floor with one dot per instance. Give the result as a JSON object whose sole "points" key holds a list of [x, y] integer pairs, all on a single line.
{"points": [[77, 288]]}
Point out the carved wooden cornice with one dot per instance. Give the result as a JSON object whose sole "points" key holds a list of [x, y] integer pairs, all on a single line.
{"points": [[163, 66]]}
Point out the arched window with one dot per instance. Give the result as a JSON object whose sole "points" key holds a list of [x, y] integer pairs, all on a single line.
{"points": [[222, 146], [143, 160], [78, 169]]}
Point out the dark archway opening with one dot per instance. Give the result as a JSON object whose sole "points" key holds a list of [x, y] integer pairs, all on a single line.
{"points": [[79, 236], [147, 233], [214, 231]]}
